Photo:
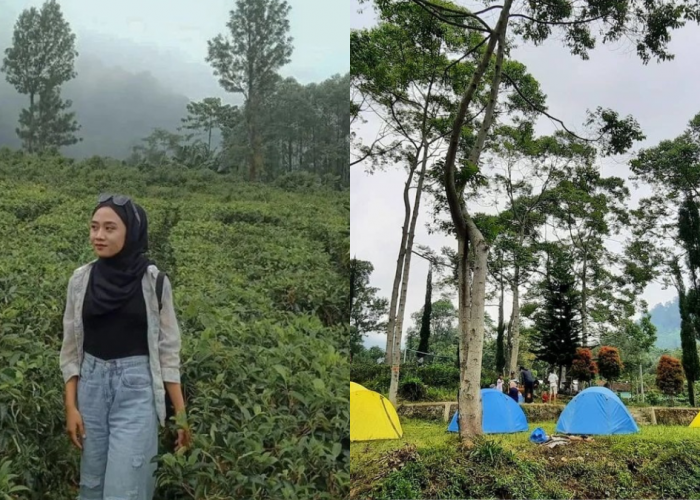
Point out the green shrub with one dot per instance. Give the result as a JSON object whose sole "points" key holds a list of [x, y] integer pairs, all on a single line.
{"points": [[405, 483], [434, 375], [653, 397], [412, 389], [439, 375]]}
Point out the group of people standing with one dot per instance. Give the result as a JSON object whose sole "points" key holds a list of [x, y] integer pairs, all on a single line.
{"points": [[529, 383]]}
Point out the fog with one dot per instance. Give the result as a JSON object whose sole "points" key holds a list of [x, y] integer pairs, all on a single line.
{"points": [[140, 63]]}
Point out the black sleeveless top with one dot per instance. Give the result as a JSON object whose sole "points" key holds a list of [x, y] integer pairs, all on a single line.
{"points": [[120, 333]]}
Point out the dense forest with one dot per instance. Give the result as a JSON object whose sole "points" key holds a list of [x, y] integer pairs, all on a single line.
{"points": [[108, 107]]}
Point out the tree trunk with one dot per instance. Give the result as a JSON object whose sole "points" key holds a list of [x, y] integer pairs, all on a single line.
{"points": [[468, 403], [351, 298], [424, 343], [509, 347], [584, 306], [396, 354], [515, 322], [390, 328], [391, 324], [562, 379], [30, 136], [252, 139], [471, 300], [691, 392], [301, 150], [472, 336], [500, 353], [211, 125]]}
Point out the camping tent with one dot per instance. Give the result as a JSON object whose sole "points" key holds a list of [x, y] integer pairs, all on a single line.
{"points": [[372, 416], [596, 410], [499, 414], [696, 421]]}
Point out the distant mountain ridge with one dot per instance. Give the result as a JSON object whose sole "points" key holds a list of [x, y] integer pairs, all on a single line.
{"points": [[667, 320]]}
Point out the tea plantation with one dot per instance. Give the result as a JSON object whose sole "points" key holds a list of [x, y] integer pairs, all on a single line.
{"points": [[260, 277]]}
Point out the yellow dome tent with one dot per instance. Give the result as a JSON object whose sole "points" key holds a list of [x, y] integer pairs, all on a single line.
{"points": [[372, 416], [696, 421]]}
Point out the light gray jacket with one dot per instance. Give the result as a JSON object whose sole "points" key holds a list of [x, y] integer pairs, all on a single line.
{"points": [[163, 332]]}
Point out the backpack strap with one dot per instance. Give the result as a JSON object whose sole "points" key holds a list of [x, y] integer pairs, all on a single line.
{"points": [[159, 289]]}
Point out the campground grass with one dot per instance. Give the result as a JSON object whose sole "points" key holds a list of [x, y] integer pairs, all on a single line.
{"points": [[428, 462]]}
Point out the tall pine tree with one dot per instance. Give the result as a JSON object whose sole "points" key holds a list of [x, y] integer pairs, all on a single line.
{"points": [[427, 313], [689, 233], [558, 322]]}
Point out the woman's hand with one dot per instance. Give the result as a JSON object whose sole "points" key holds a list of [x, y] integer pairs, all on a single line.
{"points": [[74, 427], [184, 439]]}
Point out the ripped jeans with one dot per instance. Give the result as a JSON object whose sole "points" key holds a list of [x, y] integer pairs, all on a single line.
{"points": [[115, 400]]}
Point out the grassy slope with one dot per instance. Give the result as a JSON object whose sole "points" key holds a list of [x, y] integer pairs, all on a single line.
{"points": [[659, 462]]}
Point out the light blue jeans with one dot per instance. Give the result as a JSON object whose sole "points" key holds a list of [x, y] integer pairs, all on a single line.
{"points": [[116, 402]]}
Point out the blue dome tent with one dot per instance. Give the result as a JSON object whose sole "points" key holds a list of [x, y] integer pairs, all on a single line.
{"points": [[596, 410], [500, 414]]}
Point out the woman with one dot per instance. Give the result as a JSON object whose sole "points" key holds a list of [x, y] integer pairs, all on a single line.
{"points": [[120, 353], [513, 391]]}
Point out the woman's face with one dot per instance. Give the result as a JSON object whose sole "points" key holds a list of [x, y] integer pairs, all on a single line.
{"points": [[107, 233]]}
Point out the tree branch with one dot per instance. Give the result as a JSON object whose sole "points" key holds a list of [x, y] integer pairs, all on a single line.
{"points": [[433, 11], [559, 23], [542, 111], [436, 261], [370, 152], [469, 52]]}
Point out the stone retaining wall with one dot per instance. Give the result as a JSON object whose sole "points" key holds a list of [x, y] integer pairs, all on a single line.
{"points": [[537, 412], [675, 416]]}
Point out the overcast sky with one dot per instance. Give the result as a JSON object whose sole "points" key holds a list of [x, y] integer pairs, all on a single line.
{"points": [[179, 30], [662, 97]]}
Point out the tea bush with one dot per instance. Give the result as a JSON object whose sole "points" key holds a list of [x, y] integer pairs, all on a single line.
{"points": [[260, 278], [412, 389]]}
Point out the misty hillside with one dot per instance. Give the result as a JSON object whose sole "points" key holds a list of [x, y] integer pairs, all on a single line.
{"points": [[122, 92], [667, 320]]}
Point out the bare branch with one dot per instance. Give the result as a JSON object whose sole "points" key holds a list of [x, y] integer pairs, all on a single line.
{"points": [[370, 151], [432, 9], [469, 52], [438, 262], [559, 23], [543, 112]]}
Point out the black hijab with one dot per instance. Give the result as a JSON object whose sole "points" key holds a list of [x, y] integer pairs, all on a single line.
{"points": [[115, 280]]}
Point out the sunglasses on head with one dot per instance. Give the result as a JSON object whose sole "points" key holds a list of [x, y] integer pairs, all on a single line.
{"points": [[119, 200]]}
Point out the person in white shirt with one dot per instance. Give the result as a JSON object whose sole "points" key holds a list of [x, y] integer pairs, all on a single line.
{"points": [[553, 385], [499, 383]]}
